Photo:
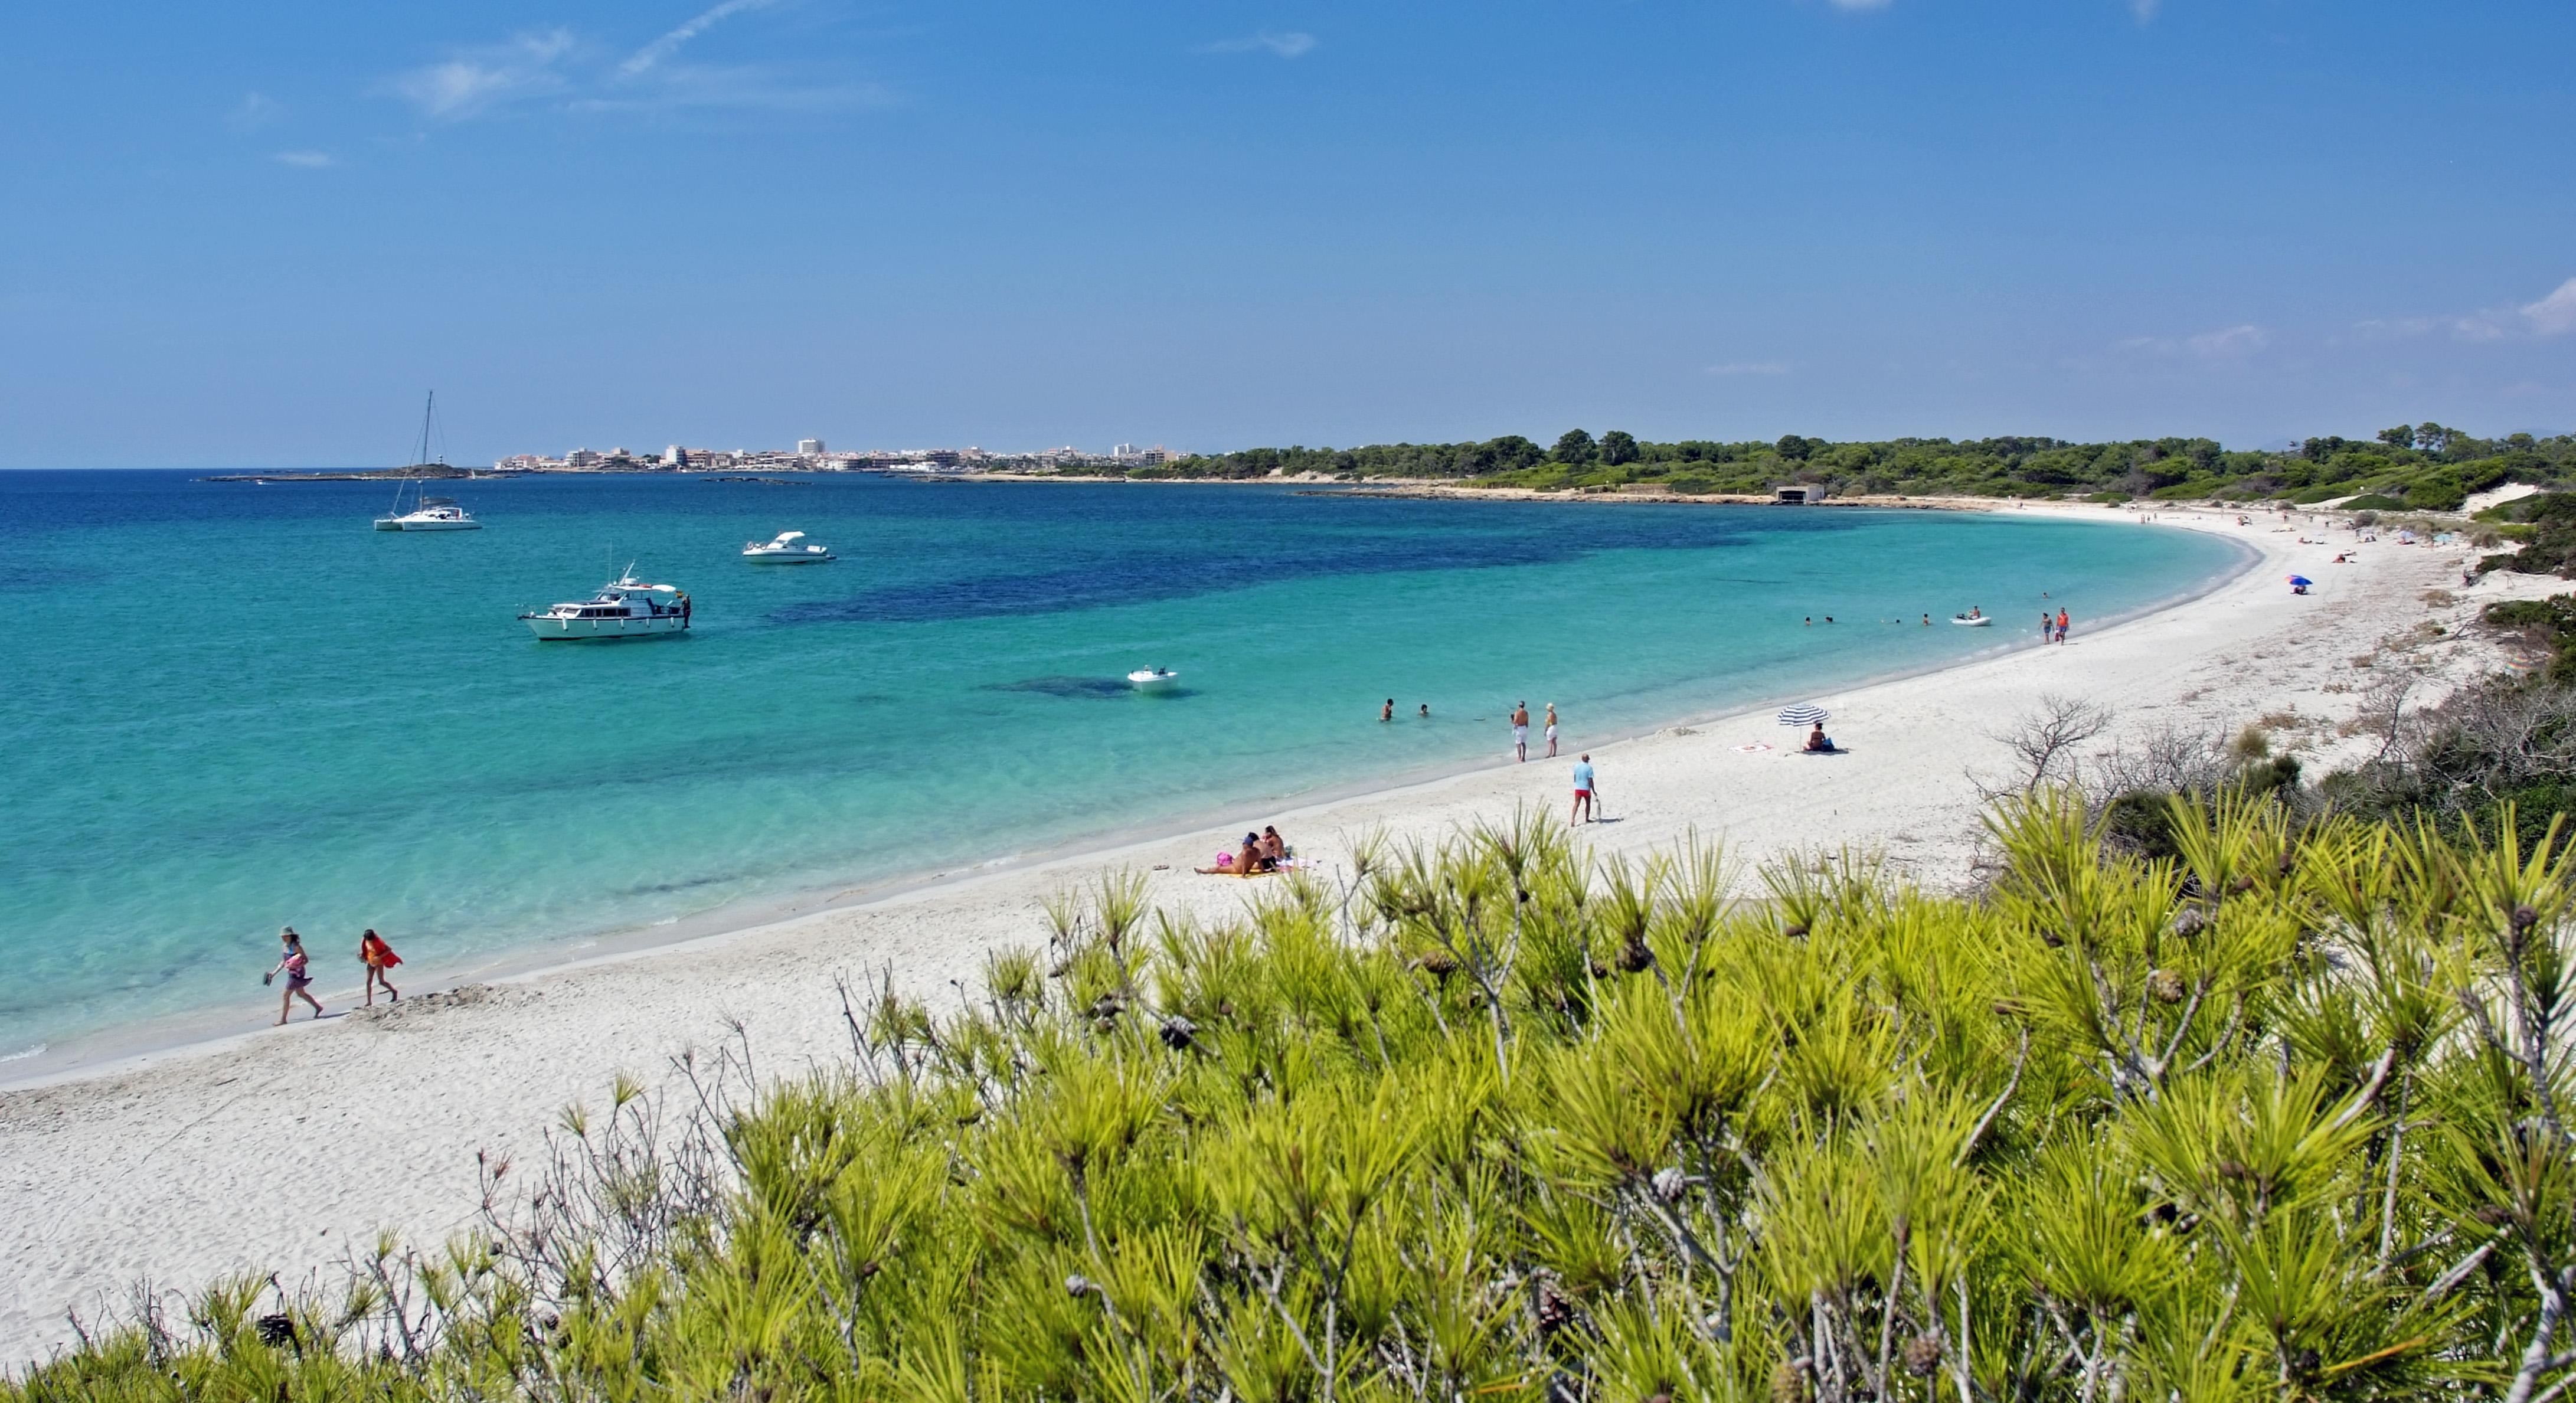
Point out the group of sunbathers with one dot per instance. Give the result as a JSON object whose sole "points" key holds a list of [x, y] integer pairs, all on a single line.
{"points": [[1260, 852]]}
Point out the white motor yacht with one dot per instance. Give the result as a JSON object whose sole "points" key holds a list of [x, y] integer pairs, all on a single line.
{"points": [[788, 548], [625, 607], [1153, 679]]}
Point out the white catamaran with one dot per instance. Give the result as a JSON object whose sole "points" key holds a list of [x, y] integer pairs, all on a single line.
{"points": [[427, 513]]}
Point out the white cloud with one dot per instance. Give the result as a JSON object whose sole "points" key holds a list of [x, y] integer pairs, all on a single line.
{"points": [[1292, 43], [480, 80], [2229, 343], [306, 160], [255, 110], [2555, 314], [1766, 367], [2226, 343], [645, 58], [2145, 10], [570, 74], [739, 89]]}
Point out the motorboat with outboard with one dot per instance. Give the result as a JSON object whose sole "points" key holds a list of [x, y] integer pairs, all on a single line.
{"points": [[427, 513], [625, 607], [788, 548], [1153, 679]]}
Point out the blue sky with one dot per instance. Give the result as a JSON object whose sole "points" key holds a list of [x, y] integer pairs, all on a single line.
{"points": [[254, 235]]}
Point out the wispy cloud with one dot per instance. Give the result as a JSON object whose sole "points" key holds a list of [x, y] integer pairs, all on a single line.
{"points": [[1289, 43], [2145, 10], [747, 89], [2224, 344], [1761, 367], [2228, 343], [2555, 314], [477, 81], [643, 59], [306, 160], [254, 111], [556, 68]]}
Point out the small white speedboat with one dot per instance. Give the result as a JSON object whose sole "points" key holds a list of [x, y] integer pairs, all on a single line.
{"points": [[787, 548], [1972, 620], [625, 607], [1152, 679]]}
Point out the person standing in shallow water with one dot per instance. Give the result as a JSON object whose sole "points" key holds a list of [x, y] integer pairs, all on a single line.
{"points": [[1520, 731], [1387, 712], [299, 974], [1551, 730], [378, 957]]}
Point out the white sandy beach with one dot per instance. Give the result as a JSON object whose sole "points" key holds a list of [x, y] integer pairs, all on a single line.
{"points": [[281, 1150]]}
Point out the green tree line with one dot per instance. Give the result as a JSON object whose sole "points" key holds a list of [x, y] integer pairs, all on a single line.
{"points": [[2424, 467]]}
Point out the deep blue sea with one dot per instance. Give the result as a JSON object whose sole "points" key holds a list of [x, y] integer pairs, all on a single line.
{"points": [[231, 706]]}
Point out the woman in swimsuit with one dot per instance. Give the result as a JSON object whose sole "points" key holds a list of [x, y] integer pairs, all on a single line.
{"points": [[1274, 849], [378, 957], [298, 972]]}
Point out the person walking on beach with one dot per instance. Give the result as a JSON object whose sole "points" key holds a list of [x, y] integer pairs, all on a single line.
{"points": [[1551, 730], [2061, 625], [1585, 786], [1520, 731], [298, 972], [1387, 712], [2047, 626], [378, 957]]}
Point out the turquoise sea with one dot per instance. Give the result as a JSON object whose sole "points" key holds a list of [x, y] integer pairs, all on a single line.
{"points": [[231, 706]]}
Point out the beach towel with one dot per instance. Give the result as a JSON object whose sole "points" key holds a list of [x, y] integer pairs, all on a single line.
{"points": [[1749, 749], [381, 955]]}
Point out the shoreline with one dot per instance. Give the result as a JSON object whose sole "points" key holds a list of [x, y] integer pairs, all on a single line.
{"points": [[287, 1149], [125, 1047]]}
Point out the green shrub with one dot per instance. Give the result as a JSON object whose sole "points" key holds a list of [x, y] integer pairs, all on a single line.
{"points": [[2322, 492], [2374, 501], [2440, 492], [1503, 1119]]}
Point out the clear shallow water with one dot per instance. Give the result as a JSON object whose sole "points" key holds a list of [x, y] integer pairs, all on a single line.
{"points": [[229, 706]]}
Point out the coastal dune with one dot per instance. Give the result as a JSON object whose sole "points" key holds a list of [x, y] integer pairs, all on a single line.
{"points": [[286, 1150]]}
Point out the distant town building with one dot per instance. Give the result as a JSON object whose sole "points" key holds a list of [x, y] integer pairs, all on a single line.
{"points": [[675, 456], [581, 458], [809, 447]]}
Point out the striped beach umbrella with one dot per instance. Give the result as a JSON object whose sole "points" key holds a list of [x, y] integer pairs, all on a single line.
{"points": [[1803, 714]]}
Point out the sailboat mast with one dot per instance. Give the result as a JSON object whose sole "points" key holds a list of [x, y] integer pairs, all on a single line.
{"points": [[426, 410]]}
